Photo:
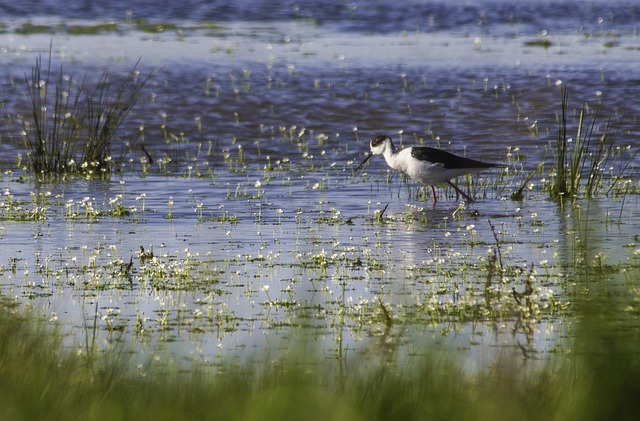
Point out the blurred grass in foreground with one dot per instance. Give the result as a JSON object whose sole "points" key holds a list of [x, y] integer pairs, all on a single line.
{"points": [[600, 380]]}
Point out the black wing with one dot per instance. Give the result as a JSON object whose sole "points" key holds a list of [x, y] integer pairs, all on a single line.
{"points": [[448, 160]]}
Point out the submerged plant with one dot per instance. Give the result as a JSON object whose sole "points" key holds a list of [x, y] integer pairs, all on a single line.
{"points": [[71, 126]]}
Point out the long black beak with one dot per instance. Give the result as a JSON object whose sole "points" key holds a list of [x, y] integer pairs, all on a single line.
{"points": [[369, 155]]}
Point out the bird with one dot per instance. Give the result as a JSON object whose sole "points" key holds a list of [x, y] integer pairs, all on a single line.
{"points": [[429, 166]]}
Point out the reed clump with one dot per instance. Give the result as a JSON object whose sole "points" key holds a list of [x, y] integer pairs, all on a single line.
{"points": [[583, 157], [72, 124]]}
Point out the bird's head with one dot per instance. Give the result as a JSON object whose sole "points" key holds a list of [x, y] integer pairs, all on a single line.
{"points": [[379, 144]]}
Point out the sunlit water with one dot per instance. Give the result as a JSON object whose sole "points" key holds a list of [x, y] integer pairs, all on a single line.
{"points": [[256, 128]]}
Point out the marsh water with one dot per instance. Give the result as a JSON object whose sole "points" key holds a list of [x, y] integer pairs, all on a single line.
{"points": [[235, 227]]}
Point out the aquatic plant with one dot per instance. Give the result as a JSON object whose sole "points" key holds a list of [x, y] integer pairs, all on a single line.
{"points": [[155, 27], [72, 126], [96, 29], [29, 28], [544, 43], [587, 157]]}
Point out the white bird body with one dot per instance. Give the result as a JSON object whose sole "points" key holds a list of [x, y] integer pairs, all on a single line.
{"points": [[429, 166], [426, 172]]}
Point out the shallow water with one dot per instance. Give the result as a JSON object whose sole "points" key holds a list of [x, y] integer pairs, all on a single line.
{"points": [[256, 128]]}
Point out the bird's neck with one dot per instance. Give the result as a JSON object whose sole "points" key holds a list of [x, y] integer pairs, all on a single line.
{"points": [[390, 156]]}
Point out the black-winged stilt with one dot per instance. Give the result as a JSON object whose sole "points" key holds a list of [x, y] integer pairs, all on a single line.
{"points": [[429, 166]]}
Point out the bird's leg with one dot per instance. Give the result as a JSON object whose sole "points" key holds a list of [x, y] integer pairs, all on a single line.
{"points": [[460, 192], [433, 190]]}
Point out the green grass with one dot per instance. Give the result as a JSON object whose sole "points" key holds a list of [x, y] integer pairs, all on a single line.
{"points": [[41, 380]]}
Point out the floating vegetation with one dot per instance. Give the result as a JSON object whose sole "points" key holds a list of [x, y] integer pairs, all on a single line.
{"points": [[42, 205], [544, 43], [155, 27], [97, 29], [141, 25], [28, 28]]}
